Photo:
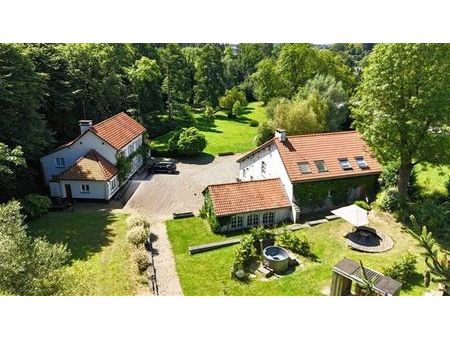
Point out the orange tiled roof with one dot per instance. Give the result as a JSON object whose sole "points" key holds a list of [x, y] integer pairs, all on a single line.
{"points": [[247, 196], [118, 130], [329, 147], [90, 167]]}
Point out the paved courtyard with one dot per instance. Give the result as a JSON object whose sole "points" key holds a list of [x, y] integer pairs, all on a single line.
{"points": [[160, 195]]}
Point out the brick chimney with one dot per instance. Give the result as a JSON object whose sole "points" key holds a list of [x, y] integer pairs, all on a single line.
{"points": [[84, 125], [281, 134]]}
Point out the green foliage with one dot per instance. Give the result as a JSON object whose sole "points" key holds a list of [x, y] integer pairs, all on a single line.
{"points": [[434, 213], [123, 167], [388, 199], [189, 141], [141, 257], [314, 194], [362, 204], [297, 244], [265, 132], [138, 221], [266, 81], [137, 235], [244, 255], [208, 76], [401, 105], [10, 158], [236, 110], [254, 123], [260, 233], [230, 98], [28, 266], [438, 263], [35, 205], [209, 113], [335, 96], [403, 269], [368, 283], [389, 176]]}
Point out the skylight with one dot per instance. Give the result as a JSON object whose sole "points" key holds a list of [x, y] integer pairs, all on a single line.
{"points": [[361, 162], [304, 167], [321, 166], [345, 164]]}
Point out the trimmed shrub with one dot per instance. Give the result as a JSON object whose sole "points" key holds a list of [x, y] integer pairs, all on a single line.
{"points": [[137, 235], [261, 233], [298, 245], [388, 200], [236, 110], [35, 205], [403, 269], [142, 259], [231, 97], [362, 204], [254, 123], [244, 255], [209, 113], [191, 142], [138, 221]]}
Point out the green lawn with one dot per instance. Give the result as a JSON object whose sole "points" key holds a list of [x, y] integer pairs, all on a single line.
{"points": [[100, 262], [433, 179], [209, 273], [224, 134]]}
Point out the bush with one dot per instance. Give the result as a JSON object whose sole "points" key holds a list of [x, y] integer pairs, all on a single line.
{"points": [[264, 133], [209, 113], [403, 269], [236, 110], [190, 142], [142, 259], [244, 255], [35, 205], [362, 204], [138, 221], [231, 96], [254, 123], [261, 233], [137, 235], [298, 245], [434, 214], [173, 141], [388, 199]]}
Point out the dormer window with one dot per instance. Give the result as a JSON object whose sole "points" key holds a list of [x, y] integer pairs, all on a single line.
{"points": [[304, 167], [321, 167], [345, 163], [361, 162]]}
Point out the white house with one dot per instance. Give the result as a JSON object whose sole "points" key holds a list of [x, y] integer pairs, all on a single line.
{"points": [[85, 168], [341, 160]]}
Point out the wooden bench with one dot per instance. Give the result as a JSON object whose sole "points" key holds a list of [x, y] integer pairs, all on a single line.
{"points": [[183, 215], [316, 222], [212, 246]]}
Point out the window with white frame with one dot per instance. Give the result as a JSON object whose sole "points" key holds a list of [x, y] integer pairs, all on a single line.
{"points": [[244, 172], [345, 163], [130, 149], [85, 188], [268, 218], [60, 162], [113, 184], [236, 222], [252, 220], [263, 167]]}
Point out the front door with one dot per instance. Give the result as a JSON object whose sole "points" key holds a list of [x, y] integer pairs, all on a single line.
{"points": [[68, 192]]}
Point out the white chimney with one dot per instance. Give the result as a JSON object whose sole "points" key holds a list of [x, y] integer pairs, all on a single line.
{"points": [[84, 125], [280, 134]]}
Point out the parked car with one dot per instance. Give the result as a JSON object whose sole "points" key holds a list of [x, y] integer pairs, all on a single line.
{"points": [[163, 167]]}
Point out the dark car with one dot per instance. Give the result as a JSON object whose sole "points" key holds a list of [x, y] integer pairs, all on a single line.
{"points": [[163, 167]]}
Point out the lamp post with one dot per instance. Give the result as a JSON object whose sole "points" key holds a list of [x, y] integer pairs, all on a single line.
{"points": [[261, 248]]}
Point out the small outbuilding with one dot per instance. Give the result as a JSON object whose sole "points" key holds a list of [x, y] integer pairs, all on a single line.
{"points": [[348, 271]]}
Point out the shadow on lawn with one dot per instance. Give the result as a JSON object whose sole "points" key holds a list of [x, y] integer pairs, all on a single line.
{"points": [[84, 232]]}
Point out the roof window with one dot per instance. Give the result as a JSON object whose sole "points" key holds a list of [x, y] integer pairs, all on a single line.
{"points": [[304, 167], [345, 163], [321, 166], [361, 162]]}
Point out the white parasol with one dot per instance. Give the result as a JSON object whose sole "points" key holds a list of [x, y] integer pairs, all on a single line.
{"points": [[353, 214]]}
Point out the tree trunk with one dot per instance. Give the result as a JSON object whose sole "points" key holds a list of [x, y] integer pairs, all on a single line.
{"points": [[403, 180]]}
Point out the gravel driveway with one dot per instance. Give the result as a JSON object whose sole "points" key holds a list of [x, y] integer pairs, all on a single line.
{"points": [[160, 195]]}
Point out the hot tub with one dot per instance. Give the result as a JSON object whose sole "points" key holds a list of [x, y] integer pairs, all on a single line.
{"points": [[276, 258]]}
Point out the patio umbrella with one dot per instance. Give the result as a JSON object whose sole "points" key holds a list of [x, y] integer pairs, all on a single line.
{"points": [[353, 214]]}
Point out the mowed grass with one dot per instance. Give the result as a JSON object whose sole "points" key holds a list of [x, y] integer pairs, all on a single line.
{"points": [[433, 179], [208, 273], [224, 134], [100, 263]]}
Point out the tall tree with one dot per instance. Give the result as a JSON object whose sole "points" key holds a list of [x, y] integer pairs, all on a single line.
{"points": [[230, 68], [402, 106], [209, 76], [248, 56], [29, 266], [266, 81], [21, 94], [175, 84]]}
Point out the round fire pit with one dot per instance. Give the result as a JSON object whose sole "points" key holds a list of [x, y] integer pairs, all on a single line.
{"points": [[276, 258]]}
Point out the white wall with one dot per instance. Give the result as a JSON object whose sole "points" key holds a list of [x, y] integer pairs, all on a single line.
{"points": [[280, 215], [136, 144], [72, 153], [274, 168], [97, 189]]}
